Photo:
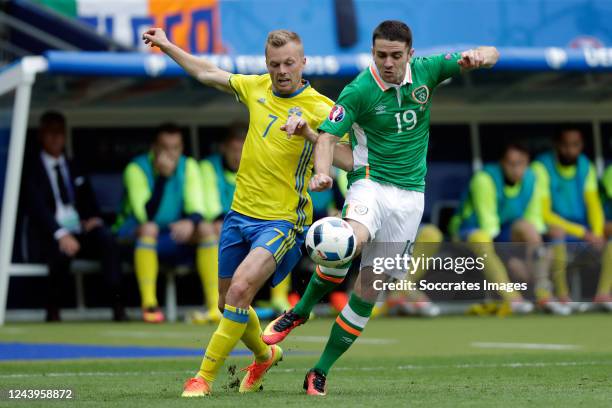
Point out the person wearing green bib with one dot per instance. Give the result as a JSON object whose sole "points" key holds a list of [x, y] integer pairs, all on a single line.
{"points": [[602, 297], [162, 211], [502, 204], [572, 209]]}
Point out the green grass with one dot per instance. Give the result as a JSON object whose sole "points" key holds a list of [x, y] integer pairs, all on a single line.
{"points": [[397, 362]]}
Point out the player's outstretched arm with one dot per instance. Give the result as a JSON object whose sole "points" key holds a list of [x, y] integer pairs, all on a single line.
{"points": [[481, 57], [342, 156], [199, 68]]}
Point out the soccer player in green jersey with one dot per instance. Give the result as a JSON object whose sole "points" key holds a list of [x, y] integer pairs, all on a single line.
{"points": [[386, 110]]}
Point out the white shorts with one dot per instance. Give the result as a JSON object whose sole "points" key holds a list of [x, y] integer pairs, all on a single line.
{"points": [[392, 215]]}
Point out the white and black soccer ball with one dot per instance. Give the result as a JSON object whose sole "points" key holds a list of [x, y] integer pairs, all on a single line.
{"points": [[331, 242]]}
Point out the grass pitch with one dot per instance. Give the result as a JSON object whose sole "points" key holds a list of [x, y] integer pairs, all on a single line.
{"points": [[532, 361]]}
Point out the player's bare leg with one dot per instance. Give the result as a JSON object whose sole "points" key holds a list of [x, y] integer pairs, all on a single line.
{"points": [[239, 322], [323, 281]]}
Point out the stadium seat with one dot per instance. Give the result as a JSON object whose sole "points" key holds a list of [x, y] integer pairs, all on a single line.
{"points": [[445, 182]]}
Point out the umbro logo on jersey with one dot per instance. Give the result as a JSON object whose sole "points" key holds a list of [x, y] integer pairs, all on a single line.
{"points": [[380, 109], [336, 114]]}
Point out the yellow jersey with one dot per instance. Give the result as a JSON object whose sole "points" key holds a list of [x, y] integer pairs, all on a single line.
{"points": [[274, 172]]}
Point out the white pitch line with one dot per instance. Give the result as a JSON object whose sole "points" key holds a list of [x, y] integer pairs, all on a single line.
{"points": [[11, 330], [291, 370], [525, 346], [93, 374]]}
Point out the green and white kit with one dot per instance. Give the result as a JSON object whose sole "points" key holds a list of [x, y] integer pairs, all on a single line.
{"points": [[389, 131]]}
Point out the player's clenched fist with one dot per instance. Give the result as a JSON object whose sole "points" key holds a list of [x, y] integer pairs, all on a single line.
{"points": [[156, 37], [471, 59], [320, 182]]}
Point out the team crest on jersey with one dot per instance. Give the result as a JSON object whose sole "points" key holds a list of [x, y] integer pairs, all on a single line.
{"points": [[421, 94], [361, 209], [336, 114], [296, 110]]}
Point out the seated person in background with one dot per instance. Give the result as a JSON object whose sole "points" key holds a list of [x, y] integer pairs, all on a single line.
{"points": [[606, 199], [65, 216], [414, 302], [502, 205], [571, 206], [604, 289], [162, 211]]}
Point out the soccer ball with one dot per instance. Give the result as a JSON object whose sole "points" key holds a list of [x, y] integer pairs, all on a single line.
{"points": [[331, 242]]}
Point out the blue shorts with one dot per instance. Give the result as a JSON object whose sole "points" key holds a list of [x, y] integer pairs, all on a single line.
{"points": [[241, 234], [168, 250]]}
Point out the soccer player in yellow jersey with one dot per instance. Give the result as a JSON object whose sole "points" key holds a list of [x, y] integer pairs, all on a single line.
{"points": [[271, 210]]}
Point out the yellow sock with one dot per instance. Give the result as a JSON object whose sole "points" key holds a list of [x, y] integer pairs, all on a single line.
{"points": [[252, 338], [224, 339], [146, 267], [494, 269], [605, 279], [559, 269], [541, 266], [426, 245], [207, 263], [279, 295]]}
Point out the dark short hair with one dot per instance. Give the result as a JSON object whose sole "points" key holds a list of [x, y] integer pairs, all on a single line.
{"points": [[237, 130], [167, 127], [562, 129], [51, 118], [393, 30], [514, 145]]}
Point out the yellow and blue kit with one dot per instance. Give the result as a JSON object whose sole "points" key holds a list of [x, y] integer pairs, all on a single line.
{"points": [[271, 207]]}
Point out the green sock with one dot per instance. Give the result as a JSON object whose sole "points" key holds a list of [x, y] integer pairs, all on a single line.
{"points": [[321, 283], [348, 326]]}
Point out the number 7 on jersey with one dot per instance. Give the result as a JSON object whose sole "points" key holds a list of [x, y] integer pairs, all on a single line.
{"points": [[274, 118]]}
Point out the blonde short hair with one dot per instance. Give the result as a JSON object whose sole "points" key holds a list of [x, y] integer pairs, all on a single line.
{"points": [[279, 38]]}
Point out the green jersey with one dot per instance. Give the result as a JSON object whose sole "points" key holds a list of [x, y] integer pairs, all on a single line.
{"points": [[388, 123]]}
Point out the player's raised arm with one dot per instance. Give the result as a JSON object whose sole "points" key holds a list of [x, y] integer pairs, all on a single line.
{"points": [[199, 68], [481, 57]]}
